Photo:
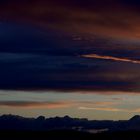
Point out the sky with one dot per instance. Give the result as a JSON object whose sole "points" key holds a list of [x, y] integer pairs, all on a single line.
{"points": [[77, 57]]}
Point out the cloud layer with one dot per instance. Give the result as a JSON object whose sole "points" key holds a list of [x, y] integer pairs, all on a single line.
{"points": [[46, 45], [32, 105], [117, 18], [32, 59]]}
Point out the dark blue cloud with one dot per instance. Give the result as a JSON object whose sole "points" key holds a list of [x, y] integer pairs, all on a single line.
{"points": [[35, 59]]}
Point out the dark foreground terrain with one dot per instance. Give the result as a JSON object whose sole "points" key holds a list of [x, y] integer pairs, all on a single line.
{"points": [[68, 135], [65, 128]]}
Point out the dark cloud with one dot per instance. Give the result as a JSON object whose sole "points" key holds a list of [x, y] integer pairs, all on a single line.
{"points": [[42, 44], [105, 18], [31, 104], [134, 2], [31, 59]]}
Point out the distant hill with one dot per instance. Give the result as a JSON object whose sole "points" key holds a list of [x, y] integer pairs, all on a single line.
{"points": [[13, 122]]}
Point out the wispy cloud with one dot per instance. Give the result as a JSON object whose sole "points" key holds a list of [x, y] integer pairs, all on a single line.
{"points": [[31, 105], [101, 103], [105, 57], [118, 99], [101, 109], [53, 104], [111, 109]]}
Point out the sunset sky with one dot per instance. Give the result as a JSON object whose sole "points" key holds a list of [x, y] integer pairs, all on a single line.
{"points": [[70, 57]]}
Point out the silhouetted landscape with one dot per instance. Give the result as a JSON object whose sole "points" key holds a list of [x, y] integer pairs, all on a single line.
{"points": [[18, 127], [79, 59]]}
